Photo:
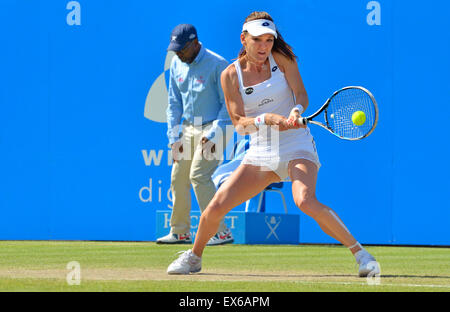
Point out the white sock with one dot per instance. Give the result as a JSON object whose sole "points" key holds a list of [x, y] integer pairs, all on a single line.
{"points": [[356, 244], [196, 258]]}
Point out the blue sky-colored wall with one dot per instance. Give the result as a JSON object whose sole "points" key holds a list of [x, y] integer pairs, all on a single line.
{"points": [[73, 134]]}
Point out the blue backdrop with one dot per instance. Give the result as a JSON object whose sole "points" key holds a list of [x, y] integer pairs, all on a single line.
{"points": [[83, 147]]}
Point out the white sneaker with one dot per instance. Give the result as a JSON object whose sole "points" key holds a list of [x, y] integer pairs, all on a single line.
{"points": [[221, 238], [186, 263], [367, 263], [172, 238]]}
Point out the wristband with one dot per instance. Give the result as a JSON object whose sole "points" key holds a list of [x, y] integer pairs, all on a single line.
{"points": [[260, 120], [300, 108]]}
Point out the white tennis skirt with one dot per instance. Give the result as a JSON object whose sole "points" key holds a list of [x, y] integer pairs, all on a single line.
{"points": [[275, 155]]}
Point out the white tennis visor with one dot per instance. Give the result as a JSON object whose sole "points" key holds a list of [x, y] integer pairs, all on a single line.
{"points": [[260, 27]]}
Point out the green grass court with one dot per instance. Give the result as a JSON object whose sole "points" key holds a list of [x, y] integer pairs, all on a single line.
{"points": [[141, 266]]}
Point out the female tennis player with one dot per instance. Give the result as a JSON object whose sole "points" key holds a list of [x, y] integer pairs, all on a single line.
{"points": [[265, 96]]}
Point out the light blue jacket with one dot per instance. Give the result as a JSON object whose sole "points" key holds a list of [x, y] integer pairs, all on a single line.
{"points": [[195, 92]]}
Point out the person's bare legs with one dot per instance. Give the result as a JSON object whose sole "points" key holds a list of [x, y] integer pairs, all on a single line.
{"points": [[303, 175], [245, 182]]}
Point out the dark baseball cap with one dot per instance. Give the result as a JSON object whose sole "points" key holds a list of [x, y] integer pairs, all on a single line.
{"points": [[181, 35]]}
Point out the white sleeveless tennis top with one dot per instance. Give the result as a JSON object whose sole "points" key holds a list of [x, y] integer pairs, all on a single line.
{"points": [[269, 147]]}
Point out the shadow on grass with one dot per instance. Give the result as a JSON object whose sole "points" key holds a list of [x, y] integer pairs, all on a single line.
{"points": [[414, 276], [259, 275]]}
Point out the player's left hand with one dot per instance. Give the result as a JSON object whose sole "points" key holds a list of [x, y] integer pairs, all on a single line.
{"points": [[292, 121]]}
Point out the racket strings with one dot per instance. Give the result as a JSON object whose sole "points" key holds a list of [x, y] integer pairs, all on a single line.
{"points": [[341, 109]]}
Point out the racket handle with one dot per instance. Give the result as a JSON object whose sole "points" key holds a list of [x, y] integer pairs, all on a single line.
{"points": [[303, 121]]}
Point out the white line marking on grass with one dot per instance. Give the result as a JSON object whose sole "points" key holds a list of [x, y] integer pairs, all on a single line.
{"points": [[418, 285], [382, 284]]}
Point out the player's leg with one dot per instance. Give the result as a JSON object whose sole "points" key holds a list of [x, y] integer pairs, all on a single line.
{"points": [[303, 175], [246, 182]]}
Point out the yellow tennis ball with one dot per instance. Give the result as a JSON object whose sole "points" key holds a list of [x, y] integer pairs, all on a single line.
{"points": [[359, 118]]}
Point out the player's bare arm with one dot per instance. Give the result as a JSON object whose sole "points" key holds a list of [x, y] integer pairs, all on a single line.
{"points": [[291, 72]]}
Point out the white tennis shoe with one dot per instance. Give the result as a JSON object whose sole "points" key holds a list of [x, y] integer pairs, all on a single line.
{"points": [[172, 238], [221, 238], [186, 263], [367, 264]]}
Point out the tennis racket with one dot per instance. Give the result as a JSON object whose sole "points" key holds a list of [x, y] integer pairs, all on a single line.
{"points": [[351, 113]]}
